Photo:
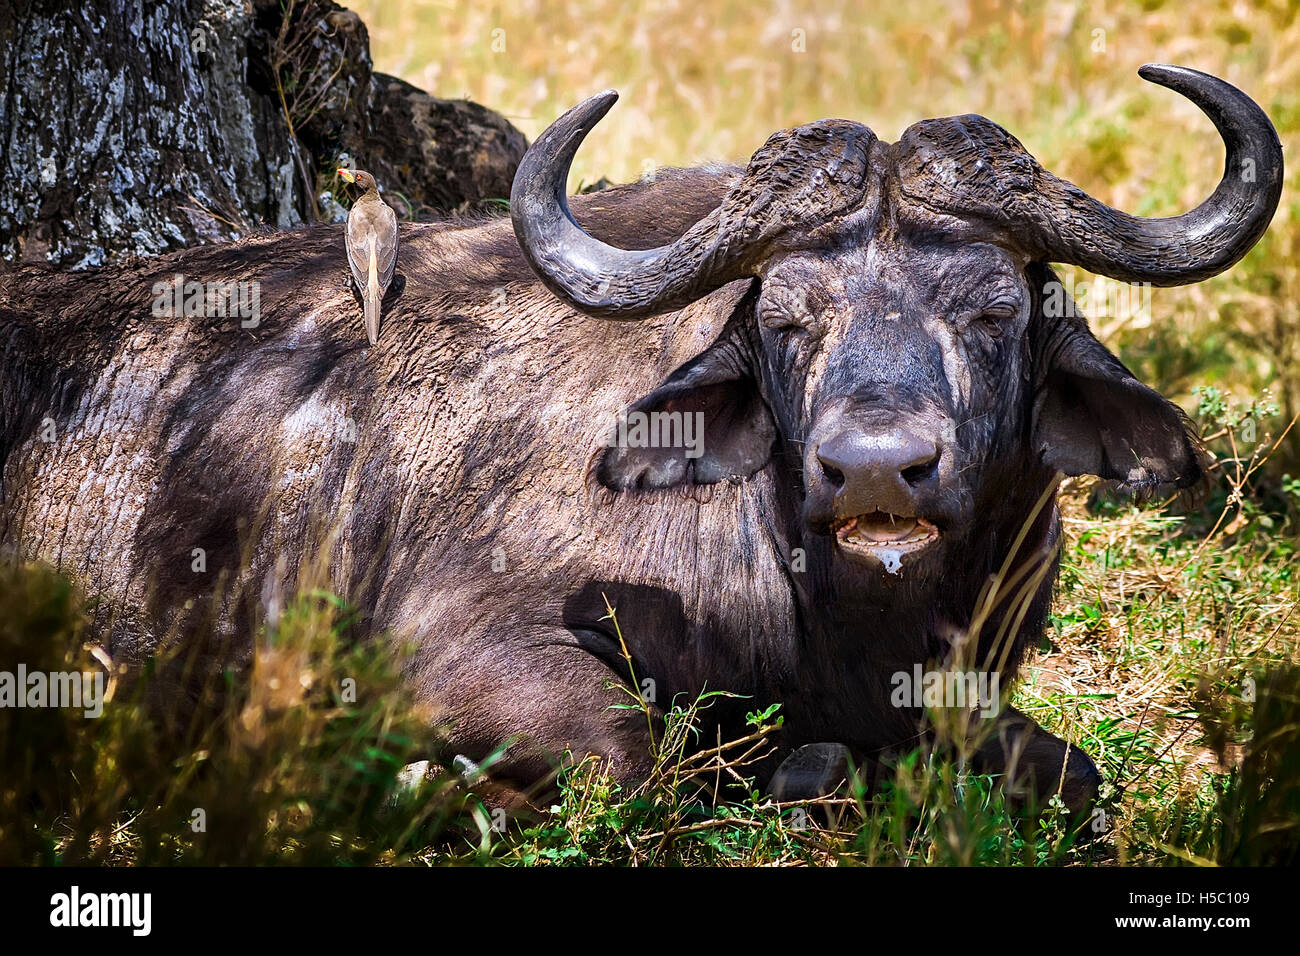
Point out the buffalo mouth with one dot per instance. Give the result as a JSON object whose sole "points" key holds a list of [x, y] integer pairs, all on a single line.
{"points": [[880, 537]]}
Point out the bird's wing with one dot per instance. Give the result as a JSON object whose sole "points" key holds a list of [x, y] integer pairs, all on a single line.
{"points": [[358, 244], [386, 243]]}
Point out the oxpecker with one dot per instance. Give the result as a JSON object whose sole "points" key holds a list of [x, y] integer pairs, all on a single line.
{"points": [[372, 246]]}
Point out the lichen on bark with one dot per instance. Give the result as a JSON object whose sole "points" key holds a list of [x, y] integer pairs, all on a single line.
{"points": [[131, 128]]}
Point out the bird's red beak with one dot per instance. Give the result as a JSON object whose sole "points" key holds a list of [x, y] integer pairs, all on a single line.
{"points": [[347, 175]]}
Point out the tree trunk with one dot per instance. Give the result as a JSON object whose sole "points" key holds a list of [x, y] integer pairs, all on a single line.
{"points": [[132, 128]]}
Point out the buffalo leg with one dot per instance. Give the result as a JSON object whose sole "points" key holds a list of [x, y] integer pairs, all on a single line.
{"points": [[1037, 764], [548, 705], [812, 771]]}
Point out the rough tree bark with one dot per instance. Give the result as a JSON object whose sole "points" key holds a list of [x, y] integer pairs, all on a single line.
{"points": [[131, 128]]}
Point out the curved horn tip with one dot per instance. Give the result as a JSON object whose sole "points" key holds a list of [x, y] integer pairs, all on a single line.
{"points": [[577, 119], [545, 164], [595, 107], [1160, 72], [1193, 84]]}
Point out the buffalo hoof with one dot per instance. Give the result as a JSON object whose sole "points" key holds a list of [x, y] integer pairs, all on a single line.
{"points": [[1039, 766], [1082, 782], [812, 771]]}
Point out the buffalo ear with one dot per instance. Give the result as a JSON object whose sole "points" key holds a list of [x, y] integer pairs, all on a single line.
{"points": [[1092, 417], [705, 423]]}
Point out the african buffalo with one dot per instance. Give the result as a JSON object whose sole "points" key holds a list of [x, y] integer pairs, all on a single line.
{"points": [[838, 416]]}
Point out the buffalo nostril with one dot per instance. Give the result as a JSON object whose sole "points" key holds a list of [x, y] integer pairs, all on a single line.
{"points": [[833, 474], [877, 470], [915, 474]]}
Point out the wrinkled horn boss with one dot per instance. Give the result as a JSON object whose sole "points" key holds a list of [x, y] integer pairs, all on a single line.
{"points": [[965, 168]]}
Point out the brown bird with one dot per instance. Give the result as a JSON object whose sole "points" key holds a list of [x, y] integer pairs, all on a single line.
{"points": [[372, 246]]}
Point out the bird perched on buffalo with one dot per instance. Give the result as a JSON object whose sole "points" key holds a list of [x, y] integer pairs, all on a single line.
{"points": [[372, 246]]}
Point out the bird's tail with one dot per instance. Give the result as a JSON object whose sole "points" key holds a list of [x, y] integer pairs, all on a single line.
{"points": [[372, 297]]}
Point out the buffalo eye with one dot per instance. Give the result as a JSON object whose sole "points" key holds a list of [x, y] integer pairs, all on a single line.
{"points": [[994, 319], [990, 325], [789, 310]]}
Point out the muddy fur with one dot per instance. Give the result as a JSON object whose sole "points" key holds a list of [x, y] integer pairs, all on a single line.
{"points": [[477, 447]]}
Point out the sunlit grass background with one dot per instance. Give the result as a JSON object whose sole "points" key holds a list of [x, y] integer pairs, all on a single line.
{"points": [[712, 80], [1167, 622]]}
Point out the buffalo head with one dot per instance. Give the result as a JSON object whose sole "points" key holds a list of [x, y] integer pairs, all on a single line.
{"points": [[903, 339]]}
